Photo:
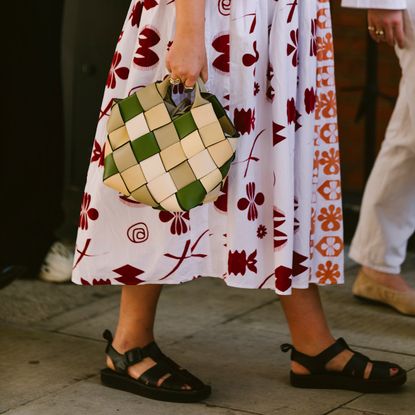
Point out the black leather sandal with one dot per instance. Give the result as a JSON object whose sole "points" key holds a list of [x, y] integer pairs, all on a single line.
{"points": [[172, 389], [352, 375]]}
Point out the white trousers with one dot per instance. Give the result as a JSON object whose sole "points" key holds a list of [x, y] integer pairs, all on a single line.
{"points": [[387, 217]]}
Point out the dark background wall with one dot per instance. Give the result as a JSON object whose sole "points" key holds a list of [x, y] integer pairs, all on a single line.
{"points": [[350, 39]]}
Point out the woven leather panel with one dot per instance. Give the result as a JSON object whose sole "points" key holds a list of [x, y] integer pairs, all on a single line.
{"points": [[166, 160]]}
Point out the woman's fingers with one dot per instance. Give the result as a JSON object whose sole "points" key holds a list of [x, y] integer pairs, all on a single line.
{"points": [[387, 26], [389, 36], [400, 35]]}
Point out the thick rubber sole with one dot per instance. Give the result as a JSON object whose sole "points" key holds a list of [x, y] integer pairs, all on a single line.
{"points": [[344, 382], [127, 383]]}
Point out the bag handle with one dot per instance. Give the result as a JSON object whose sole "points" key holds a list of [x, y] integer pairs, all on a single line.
{"points": [[164, 87]]}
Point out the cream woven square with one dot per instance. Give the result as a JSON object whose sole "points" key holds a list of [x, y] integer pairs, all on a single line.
{"points": [[124, 157], [152, 167], [202, 164], [157, 117], [118, 137], [192, 144], [162, 187], [204, 115], [133, 177], [211, 133], [137, 127], [173, 156]]}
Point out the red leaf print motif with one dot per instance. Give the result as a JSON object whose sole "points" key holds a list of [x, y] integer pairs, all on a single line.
{"points": [[313, 41], [249, 59], [292, 114], [98, 154], [309, 100], [270, 89], [178, 225], [221, 203], [145, 57], [298, 267], [122, 72], [238, 262], [137, 11], [128, 275], [221, 45], [251, 201], [292, 49], [276, 136], [280, 238], [96, 282], [87, 212], [244, 120], [283, 278]]}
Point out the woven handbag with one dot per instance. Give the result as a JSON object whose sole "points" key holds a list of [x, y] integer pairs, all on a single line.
{"points": [[171, 157]]}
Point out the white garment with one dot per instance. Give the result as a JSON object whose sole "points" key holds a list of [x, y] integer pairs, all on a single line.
{"points": [[387, 217], [278, 222], [377, 4]]}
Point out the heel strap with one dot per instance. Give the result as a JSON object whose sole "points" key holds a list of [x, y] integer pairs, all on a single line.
{"points": [[130, 357], [316, 364]]}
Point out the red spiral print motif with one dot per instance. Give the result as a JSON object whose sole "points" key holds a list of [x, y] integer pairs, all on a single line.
{"points": [[224, 7], [138, 233]]}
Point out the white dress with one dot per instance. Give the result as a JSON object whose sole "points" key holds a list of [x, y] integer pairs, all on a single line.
{"points": [[278, 223]]}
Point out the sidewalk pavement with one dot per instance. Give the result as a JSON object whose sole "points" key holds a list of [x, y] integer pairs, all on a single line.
{"points": [[52, 350]]}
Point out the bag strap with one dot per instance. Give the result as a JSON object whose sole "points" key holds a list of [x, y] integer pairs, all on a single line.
{"points": [[164, 87]]}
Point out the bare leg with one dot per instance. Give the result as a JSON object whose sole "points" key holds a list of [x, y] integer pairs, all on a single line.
{"points": [[136, 322], [309, 329]]}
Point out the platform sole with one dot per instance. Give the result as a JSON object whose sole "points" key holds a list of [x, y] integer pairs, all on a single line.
{"points": [[347, 383], [127, 383]]}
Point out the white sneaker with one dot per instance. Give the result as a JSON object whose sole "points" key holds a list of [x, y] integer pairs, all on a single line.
{"points": [[57, 265]]}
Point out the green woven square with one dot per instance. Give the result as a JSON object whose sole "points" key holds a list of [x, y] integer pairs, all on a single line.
{"points": [[130, 107], [191, 195], [225, 168], [185, 124], [109, 166], [145, 146]]}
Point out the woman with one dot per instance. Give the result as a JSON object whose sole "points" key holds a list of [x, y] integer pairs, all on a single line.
{"points": [[277, 224], [387, 216]]}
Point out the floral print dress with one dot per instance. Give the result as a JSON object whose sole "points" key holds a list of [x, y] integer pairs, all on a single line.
{"points": [[278, 222]]}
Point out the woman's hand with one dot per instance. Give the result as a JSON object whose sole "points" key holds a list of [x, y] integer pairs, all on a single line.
{"points": [[391, 23], [186, 59]]}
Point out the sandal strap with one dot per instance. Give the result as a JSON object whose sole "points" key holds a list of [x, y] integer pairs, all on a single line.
{"points": [[129, 358], [381, 370], [164, 365], [356, 366], [151, 376], [316, 364]]}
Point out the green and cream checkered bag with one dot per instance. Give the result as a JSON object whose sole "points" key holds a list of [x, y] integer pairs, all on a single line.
{"points": [[169, 157]]}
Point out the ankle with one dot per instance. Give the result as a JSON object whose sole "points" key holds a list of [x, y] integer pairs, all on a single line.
{"points": [[122, 343], [313, 347]]}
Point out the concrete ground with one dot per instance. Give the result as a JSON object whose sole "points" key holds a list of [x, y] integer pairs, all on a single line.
{"points": [[52, 350]]}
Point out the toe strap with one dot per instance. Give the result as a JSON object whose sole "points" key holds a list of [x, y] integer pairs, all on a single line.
{"points": [[174, 381], [382, 370], [356, 366]]}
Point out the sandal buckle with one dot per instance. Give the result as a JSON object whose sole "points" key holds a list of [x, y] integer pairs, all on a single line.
{"points": [[134, 356]]}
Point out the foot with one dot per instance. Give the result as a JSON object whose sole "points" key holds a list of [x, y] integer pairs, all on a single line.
{"points": [[136, 370], [336, 364], [392, 281]]}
